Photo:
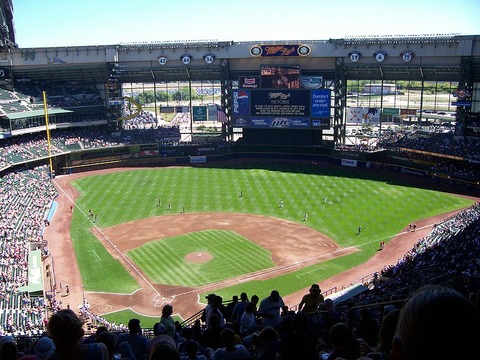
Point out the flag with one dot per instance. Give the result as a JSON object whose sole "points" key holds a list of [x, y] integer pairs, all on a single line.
{"points": [[221, 116]]}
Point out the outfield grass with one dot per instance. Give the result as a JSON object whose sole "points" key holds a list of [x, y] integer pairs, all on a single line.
{"points": [[380, 205]]}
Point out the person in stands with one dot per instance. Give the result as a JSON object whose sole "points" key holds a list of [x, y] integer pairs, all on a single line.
{"points": [[132, 341], [343, 342], [269, 309], [239, 308], [311, 301], [230, 349], [66, 330], [437, 322]]}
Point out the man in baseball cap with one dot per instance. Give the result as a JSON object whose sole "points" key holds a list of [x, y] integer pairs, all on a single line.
{"points": [[311, 301]]}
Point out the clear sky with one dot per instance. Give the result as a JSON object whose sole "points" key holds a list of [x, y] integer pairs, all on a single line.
{"points": [[47, 23]]}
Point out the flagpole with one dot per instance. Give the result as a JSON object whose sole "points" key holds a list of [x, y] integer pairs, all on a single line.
{"points": [[48, 132]]}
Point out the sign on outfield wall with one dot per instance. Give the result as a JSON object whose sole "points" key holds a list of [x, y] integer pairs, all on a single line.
{"points": [[349, 162], [198, 159]]}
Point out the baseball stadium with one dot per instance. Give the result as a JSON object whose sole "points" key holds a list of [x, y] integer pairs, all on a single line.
{"points": [[136, 176]]}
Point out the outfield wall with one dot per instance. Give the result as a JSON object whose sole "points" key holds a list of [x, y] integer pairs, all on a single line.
{"points": [[153, 155], [186, 155], [81, 161]]}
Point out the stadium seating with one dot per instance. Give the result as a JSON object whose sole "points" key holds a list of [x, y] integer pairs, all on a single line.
{"points": [[446, 256]]}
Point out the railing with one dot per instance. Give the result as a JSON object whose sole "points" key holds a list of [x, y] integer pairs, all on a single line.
{"points": [[191, 320]]}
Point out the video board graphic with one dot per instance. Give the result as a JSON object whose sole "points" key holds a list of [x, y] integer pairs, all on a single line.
{"points": [[285, 108], [283, 77], [279, 103]]}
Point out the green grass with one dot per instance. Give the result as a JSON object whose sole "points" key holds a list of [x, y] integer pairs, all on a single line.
{"points": [[382, 206], [146, 322], [164, 261]]}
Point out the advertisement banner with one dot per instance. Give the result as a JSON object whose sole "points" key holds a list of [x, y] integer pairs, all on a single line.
{"points": [[321, 123], [391, 111], [407, 112], [242, 121], [354, 115], [241, 108], [280, 50], [249, 82], [198, 159], [311, 82], [199, 113], [348, 162], [320, 100], [371, 115], [241, 103], [292, 123], [182, 109], [167, 109]]}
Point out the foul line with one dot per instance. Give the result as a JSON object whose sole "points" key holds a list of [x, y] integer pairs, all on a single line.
{"points": [[112, 244], [95, 253], [282, 268], [248, 277]]}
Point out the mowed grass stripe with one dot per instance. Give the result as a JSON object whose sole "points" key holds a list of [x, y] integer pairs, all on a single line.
{"points": [[382, 206], [164, 260], [158, 263], [96, 264]]}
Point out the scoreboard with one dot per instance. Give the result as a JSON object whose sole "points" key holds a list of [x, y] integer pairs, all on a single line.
{"points": [[281, 108]]}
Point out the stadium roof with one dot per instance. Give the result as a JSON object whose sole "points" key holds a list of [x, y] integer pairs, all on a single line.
{"points": [[33, 113]]}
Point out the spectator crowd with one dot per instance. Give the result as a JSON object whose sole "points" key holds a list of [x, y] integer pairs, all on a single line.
{"points": [[441, 268], [430, 297]]}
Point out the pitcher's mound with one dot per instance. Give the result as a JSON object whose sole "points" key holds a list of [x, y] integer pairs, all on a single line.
{"points": [[198, 257]]}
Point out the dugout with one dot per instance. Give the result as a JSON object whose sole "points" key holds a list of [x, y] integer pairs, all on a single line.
{"points": [[34, 286]]}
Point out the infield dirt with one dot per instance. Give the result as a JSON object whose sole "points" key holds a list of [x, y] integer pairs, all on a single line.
{"points": [[287, 241]]}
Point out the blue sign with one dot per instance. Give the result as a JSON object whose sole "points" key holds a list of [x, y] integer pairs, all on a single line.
{"points": [[241, 103], [281, 123], [462, 103], [243, 121], [323, 123], [320, 100]]}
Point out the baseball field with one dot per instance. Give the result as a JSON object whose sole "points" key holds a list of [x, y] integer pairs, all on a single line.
{"points": [[150, 236]]}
